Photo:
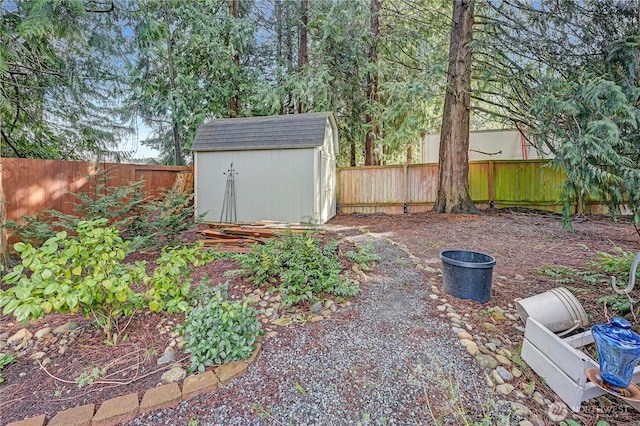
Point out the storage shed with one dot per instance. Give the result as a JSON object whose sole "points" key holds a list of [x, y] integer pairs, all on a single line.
{"points": [[279, 168]]}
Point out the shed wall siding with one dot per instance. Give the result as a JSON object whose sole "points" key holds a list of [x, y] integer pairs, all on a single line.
{"points": [[269, 184]]}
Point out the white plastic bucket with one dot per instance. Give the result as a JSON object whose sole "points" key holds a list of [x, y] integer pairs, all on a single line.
{"points": [[556, 309]]}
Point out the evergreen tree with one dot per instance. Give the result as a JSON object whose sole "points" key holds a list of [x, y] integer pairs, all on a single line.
{"points": [[567, 73], [59, 79], [188, 69]]}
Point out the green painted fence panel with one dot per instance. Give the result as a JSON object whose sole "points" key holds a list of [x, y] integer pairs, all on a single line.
{"points": [[526, 182], [509, 183], [479, 181]]}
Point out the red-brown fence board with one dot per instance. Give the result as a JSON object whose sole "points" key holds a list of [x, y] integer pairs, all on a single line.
{"points": [[31, 186]]}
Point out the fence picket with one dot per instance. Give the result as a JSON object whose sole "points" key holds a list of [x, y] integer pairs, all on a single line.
{"points": [[32, 185], [508, 183]]}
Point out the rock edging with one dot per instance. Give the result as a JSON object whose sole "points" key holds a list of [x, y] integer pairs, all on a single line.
{"points": [[127, 407], [490, 351]]}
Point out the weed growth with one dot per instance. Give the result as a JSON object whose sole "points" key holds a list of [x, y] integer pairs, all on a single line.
{"points": [[364, 255], [597, 274], [90, 376]]}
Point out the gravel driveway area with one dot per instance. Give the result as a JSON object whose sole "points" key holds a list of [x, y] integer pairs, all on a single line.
{"points": [[386, 360]]}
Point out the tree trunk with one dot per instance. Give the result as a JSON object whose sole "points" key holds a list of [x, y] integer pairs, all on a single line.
{"points": [[372, 85], [352, 153], [303, 49], [234, 101], [177, 141], [453, 177]]}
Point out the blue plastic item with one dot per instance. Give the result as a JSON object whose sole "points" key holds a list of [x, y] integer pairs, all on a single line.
{"points": [[618, 351], [467, 274]]}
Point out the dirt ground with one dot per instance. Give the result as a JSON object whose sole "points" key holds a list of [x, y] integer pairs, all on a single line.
{"points": [[522, 242]]}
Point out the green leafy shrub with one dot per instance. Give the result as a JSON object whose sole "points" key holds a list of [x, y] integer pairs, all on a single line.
{"points": [[170, 283], [218, 331], [6, 359], [34, 229], [298, 265], [71, 274], [87, 274], [162, 221], [364, 255], [121, 205]]}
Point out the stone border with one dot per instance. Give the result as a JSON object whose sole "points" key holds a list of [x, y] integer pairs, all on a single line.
{"points": [[127, 407], [269, 312], [488, 348], [498, 364]]}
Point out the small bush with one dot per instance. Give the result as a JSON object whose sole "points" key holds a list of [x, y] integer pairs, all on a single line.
{"points": [[365, 255], [34, 229], [87, 274], [120, 205], [148, 223], [162, 221], [298, 265], [218, 331], [75, 274], [170, 283]]}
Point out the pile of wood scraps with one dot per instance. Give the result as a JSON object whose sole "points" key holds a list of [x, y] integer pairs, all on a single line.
{"points": [[238, 238]]}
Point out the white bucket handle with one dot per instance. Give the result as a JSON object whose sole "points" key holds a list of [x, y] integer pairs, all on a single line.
{"points": [[632, 278], [576, 324]]}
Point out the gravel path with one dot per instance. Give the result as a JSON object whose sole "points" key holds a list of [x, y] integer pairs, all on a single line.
{"points": [[387, 359]]}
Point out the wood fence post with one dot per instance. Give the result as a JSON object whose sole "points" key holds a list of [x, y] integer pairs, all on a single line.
{"points": [[338, 192], [491, 182], [405, 187]]}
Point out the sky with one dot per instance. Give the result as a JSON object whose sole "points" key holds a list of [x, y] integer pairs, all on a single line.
{"points": [[134, 143]]}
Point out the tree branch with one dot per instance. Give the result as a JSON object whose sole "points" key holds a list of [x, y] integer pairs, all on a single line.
{"points": [[111, 8]]}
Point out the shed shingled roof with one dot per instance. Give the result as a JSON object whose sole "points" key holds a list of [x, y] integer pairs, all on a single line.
{"points": [[272, 132]]}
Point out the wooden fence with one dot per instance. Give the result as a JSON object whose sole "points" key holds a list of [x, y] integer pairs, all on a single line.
{"points": [[31, 186], [413, 188]]}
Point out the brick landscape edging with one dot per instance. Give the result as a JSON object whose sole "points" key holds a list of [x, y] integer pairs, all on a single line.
{"points": [[127, 407]]}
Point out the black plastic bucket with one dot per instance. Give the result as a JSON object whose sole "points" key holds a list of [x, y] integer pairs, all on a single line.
{"points": [[467, 274]]}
